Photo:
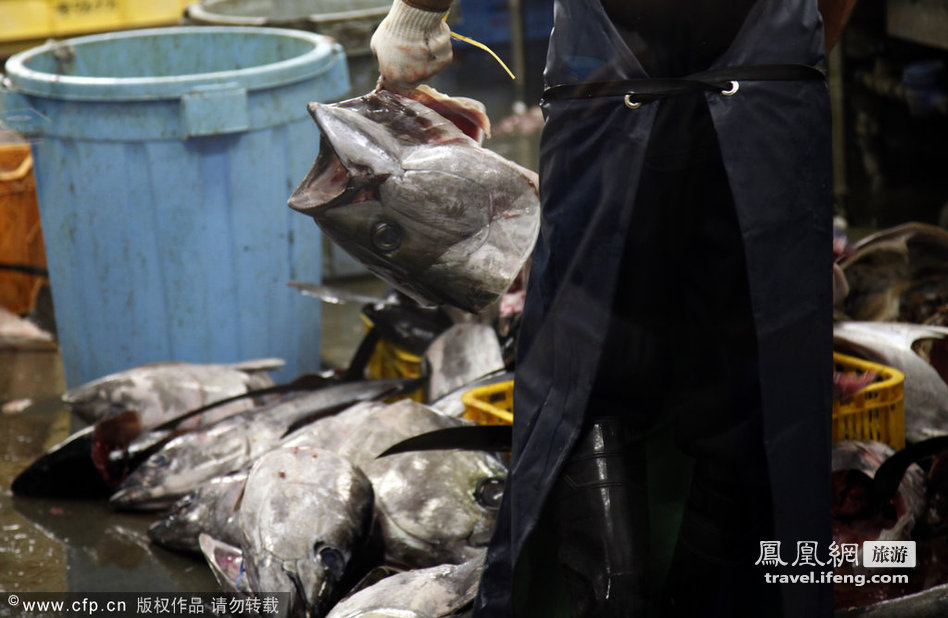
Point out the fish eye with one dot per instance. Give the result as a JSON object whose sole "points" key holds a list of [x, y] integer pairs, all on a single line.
{"points": [[489, 492], [330, 557], [386, 236]]}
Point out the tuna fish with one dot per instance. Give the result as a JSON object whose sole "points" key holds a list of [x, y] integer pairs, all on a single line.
{"points": [[444, 590], [418, 202], [461, 355], [304, 515], [210, 509], [897, 274], [854, 467], [162, 391], [895, 345], [232, 444], [433, 507]]}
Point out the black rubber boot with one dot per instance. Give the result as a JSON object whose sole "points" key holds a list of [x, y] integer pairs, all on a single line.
{"points": [[713, 574], [600, 513]]}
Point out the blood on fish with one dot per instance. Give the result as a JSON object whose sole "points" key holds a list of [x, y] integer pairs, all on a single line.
{"points": [[465, 115], [113, 434]]}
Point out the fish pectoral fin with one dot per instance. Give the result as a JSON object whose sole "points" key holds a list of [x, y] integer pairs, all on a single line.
{"points": [[226, 562], [259, 364], [470, 438]]}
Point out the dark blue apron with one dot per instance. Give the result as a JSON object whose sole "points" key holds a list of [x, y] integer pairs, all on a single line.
{"points": [[774, 141]]}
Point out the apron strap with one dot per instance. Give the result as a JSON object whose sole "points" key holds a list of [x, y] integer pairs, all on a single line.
{"points": [[726, 80]]}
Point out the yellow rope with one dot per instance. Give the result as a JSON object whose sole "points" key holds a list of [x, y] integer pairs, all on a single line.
{"points": [[484, 47]]}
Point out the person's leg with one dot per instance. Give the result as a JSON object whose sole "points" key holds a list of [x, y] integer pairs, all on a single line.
{"points": [[717, 402], [600, 513]]}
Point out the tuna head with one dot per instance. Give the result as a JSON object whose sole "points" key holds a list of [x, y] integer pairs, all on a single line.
{"points": [[419, 203], [434, 507], [305, 513]]}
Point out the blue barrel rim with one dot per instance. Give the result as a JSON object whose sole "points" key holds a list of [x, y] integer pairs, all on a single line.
{"points": [[305, 66]]}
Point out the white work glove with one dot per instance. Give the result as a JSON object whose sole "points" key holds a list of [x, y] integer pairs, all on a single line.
{"points": [[411, 45]]}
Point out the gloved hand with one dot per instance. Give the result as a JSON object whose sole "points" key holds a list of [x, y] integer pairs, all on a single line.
{"points": [[411, 45]]}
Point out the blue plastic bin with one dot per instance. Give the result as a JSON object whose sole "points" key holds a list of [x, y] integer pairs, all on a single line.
{"points": [[163, 170]]}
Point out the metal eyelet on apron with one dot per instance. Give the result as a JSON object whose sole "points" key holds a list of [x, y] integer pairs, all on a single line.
{"points": [[629, 103], [732, 90]]}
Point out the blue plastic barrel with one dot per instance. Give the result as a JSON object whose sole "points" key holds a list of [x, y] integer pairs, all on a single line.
{"points": [[163, 170]]}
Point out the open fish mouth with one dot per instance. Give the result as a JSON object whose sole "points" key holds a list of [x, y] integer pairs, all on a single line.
{"points": [[330, 183], [325, 183], [418, 201]]}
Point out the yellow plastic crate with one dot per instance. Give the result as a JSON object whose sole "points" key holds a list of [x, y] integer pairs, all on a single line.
{"points": [[25, 20], [491, 404], [875, 413], [389, 361]]}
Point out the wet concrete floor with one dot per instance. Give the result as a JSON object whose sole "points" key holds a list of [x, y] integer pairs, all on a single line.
{"points": [[69, 545]]}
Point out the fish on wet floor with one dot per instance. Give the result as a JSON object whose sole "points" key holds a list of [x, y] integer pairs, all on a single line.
{"points": [[94, 460], [417, 201], [305, 516], [897, 345], [434, 507], [233, 443], [443, 590], [210, 509], [161, 391]]}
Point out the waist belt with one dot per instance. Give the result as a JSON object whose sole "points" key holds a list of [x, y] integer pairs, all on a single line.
{"points": [[726, 81]]}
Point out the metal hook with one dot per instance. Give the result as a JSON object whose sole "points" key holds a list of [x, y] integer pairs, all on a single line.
{"points": [[629, 103], [733, 89]]}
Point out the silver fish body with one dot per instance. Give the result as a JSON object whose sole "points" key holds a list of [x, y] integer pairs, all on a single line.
{"points": [[162, 391], [305, 512], [891, 343], [210, 509], [434, 507], [330, 432], [461, 355], [419, 203], [443, 590], [897, 274], [230, 445]]}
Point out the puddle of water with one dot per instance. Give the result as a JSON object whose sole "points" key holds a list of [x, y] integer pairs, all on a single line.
{"points": [[70, 545]]}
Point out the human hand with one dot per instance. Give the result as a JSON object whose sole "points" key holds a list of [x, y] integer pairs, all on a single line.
{"points": [[411, 45]]}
